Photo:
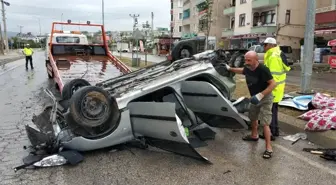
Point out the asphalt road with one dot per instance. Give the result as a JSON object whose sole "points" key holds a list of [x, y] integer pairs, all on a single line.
{"points": [[234, 161], [150, 58], [326, 81]]}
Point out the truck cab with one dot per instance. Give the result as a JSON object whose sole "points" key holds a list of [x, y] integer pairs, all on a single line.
{"points": [[65, 37]]}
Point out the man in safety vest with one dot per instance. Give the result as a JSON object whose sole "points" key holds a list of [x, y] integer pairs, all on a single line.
{"points": [[276, 61], [28, 52]]}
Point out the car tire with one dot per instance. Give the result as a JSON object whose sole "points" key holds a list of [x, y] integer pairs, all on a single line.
{"points": [[71, 87], [85, 103]]}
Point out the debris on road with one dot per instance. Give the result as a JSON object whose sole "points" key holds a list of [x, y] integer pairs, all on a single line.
{"points": [[325, 153]]}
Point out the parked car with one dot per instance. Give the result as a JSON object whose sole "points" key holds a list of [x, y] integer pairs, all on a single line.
{"points": [[153, 105], [260, 51]]}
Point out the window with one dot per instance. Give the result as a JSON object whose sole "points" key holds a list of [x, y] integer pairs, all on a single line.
{"points": [[232, 25], [242, 20], [287, 19], [180, 16], [179, 3], [171, 17], [233, 3], [67, 39], [265, 18], [256, 18], [242, 1], [171, 5], [259, 49], [180, 28]]}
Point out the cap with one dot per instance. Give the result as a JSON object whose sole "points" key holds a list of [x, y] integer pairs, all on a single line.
{"points": [[270, 40]]}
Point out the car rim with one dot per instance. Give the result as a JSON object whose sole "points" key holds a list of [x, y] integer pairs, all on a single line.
{"points": [[94, 106], [185, 53]]}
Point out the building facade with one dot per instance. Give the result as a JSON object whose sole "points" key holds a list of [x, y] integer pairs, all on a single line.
{"points": [[176, 14], [325, 20], [194, 12], [251, 21]]}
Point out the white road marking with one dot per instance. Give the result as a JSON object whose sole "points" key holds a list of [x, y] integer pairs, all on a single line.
{"points": [[11, 69], [305, 159]]}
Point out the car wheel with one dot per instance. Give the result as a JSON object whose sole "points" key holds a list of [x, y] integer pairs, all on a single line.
{"points": [[91, 107], [71, 87]]}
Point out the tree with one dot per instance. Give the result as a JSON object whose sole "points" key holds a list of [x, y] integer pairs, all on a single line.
{"points": [[206, 20]]}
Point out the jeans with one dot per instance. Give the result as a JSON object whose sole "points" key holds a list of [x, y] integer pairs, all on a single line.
{"points": [[29, 58], [274, 123]]}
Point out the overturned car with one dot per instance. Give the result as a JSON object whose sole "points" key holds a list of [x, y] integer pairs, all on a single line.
{"points": [[153, 105]]}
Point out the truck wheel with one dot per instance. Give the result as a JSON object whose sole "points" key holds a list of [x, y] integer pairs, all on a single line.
{"points": [[91, 107], [71, 87], [46, 65]]}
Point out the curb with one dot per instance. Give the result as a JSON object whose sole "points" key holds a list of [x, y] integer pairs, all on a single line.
{"points": [[292, 125], [8, 60]]}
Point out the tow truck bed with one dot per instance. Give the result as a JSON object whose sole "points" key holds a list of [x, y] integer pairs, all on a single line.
{"points": [[91, 68]]}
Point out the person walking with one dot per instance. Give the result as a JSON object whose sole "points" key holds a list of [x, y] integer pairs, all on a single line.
{"points": [[260, 83], [28, 52], [277, 63]]}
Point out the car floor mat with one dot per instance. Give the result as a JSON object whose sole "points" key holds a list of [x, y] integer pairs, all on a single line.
{"points": [[195, 142], [205, 134]]}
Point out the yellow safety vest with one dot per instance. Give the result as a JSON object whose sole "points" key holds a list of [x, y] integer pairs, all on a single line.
{"points": [[273, 61], [28, 51]]}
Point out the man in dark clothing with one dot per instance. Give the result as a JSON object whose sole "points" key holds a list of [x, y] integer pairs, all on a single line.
{"points": [[260, 83]]}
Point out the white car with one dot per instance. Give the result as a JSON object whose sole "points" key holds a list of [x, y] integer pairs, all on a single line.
{"points": [[153, 105]]}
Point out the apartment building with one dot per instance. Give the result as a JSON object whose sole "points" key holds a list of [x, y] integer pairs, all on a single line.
{"points": [[325, 20], [176, 15], [251, 21], [193, 18]]}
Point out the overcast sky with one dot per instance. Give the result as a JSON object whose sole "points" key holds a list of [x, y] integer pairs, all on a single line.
{"points": [[28, 12]]}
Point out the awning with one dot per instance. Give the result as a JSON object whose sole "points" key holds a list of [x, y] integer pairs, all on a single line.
{"points": [[328, 31]]}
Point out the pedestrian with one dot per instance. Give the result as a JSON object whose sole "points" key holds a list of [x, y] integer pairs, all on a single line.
{"points": [[277, 63], [28, 52], [260, 84]]}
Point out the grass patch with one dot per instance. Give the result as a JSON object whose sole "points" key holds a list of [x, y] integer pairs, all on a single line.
{"points": [[128, 62], [242, 90]]}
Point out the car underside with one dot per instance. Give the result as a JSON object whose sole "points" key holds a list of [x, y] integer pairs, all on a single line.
{"points": [[155, 106]]}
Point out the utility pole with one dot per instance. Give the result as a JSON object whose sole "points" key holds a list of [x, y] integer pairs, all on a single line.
{"points": [[1, 44], [20, 35], [62, 20], [103, 13], [40, 26], [152, 36], [135, 22], [3, 3], [307, 63]]}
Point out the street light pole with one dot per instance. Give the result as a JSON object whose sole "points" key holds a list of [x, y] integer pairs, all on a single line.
{"points": [[103, 13], [3, 3], [307, 63]]}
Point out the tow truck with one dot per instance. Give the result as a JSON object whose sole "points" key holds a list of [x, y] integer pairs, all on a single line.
{"points": [[73, 62]]}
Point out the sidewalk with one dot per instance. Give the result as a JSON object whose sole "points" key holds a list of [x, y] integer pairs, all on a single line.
{"points": [[292, 125], [11, 56]]}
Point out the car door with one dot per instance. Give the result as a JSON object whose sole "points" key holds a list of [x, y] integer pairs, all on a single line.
{"points": [[209, 104], [158, 123]]}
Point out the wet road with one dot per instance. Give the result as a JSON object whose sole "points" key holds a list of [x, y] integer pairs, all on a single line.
{"points": [[150, 58], [324, 81], [21, 96]]}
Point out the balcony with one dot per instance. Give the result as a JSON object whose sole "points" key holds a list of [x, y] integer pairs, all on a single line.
{"points": [[326, 15], [229, 11], [264, 3], [227, 32], [263, 29]]}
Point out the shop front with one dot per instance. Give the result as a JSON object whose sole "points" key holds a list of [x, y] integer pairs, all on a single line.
{"points": [[247, 40]]}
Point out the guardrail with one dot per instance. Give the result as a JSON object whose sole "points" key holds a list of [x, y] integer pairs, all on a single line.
{"points": [[326, 9], [119, 64]]}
